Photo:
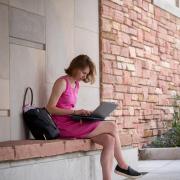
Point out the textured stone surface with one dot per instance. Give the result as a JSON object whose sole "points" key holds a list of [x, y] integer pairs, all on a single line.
{"points": [[25, 25], [81, 165], [59, 37], [140, 66], [86, 42], [85, 95], [4, 112], [86, 20], [26, 43], [27, 66], [4, 96], [34, 6], [29, 149], [4, 128], [4, 1], [68, 35], [160, 153], [4, 42]]}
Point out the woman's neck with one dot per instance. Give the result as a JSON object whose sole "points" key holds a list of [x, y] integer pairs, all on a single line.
{"points": [[71, 79]]}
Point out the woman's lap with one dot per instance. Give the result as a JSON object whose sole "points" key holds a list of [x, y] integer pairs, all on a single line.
{"points": [[71, 129], [74, 129]]}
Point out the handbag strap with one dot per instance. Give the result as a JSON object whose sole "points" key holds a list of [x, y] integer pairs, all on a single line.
{"points": [[27, 132], [25, 95]]}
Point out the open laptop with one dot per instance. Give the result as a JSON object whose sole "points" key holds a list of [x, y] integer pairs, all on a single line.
{"points": [[100, 113]]}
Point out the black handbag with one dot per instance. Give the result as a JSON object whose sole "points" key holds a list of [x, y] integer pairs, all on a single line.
{"points": [[38, 120]]}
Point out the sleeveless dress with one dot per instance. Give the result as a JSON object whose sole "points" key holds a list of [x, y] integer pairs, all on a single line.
{"points": [[68, 127]]}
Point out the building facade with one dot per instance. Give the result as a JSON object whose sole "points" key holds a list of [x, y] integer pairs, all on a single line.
{"points": [[135, 45]]}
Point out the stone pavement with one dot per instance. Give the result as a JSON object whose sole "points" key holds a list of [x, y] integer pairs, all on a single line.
{"points": [[160, 169]]}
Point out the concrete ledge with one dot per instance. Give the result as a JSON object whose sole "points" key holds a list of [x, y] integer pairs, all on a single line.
{"points": [[159, 153], [28, 149], [70, 166]]}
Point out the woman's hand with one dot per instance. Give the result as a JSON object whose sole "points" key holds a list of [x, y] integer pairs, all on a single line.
{"points": [[83, 112]]}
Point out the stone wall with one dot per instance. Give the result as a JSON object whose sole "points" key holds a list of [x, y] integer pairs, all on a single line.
{"points": [[140, 50], [22, 61]]}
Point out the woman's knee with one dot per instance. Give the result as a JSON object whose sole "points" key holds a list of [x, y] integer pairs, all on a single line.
{"points": [[113, 128], [104, 127], [108, 140]]}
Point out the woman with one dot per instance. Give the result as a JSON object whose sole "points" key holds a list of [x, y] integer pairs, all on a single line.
{"points": [[61, 104]]}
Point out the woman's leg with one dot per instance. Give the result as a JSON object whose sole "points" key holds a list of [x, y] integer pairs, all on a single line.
{"points": [[118, 153], [107, 154], [110, 128]]}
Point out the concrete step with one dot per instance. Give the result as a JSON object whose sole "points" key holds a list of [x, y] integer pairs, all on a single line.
{"points": [[159, 153]]}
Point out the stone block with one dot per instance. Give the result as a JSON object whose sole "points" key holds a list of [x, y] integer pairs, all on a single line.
{"points": [[34, 6], [90, 20], [4, 42], [4, 96], [59, 37], [27, 26], [160, 153], [27, 66], [86, 42], [85, 99], [4, 129], [4, 1]]}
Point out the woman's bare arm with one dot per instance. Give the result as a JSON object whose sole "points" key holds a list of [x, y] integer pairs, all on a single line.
{"points": [[57, 90]]}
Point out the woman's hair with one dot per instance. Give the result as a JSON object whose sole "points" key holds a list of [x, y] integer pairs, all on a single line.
{"points": [[81, 62]]}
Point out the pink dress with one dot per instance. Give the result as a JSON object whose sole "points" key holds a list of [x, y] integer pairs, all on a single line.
{"points": [[68, 127]]}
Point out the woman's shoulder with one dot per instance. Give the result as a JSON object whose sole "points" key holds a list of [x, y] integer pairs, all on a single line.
{"points": [[60, 82], [62, 78]]}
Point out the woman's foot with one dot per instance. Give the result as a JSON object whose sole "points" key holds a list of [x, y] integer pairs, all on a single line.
{"points": [[129, 172]]}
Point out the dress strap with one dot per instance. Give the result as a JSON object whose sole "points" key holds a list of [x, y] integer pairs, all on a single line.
{"points": [[77, 84], [67, 83]]}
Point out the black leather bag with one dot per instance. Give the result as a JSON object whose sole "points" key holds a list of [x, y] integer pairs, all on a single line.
{"points": [[38, 120]]}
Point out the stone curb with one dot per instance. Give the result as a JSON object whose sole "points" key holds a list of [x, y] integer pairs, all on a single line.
{"points": [[159, 153]]}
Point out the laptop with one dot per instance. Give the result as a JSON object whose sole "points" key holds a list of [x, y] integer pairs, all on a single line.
{"points": [[99, 114]]}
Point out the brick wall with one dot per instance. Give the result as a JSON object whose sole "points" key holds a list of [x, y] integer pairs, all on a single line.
{"points": [[139, 50]]}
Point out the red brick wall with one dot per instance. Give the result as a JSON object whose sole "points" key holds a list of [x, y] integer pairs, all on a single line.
{"points": [[140, 66]]}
